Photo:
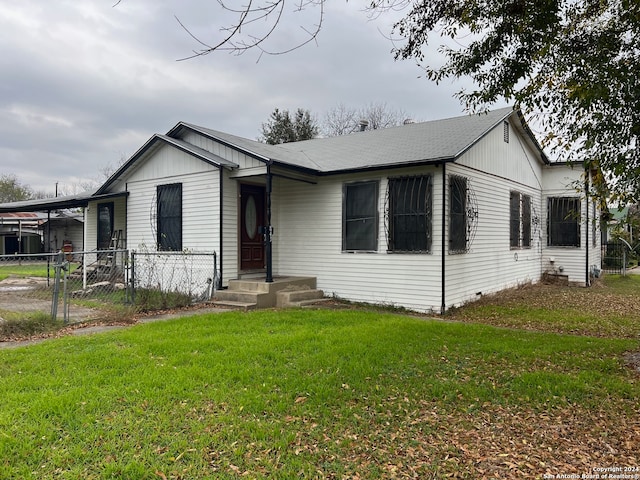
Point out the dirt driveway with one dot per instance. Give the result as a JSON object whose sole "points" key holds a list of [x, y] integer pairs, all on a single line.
{"points": [[17, 295]]}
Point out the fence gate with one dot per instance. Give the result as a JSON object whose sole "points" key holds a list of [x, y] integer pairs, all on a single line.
{"points": [[614, 257]]}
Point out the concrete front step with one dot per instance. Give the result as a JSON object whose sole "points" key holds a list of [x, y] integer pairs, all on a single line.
{"points": [[260, 294], [235, 305], [289, 298]]}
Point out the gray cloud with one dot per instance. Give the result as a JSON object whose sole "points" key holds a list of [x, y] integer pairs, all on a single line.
{"points": [[86, 83]]}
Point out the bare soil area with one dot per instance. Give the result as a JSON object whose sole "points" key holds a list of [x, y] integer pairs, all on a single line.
{"points": [[18, 295]]}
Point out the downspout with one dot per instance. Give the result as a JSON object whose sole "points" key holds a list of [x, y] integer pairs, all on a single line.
{"points": [[268, 229], [221, 228], [587, 282], [443, 306]]}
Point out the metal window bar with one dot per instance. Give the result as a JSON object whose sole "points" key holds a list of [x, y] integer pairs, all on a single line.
{"points": [[563, 222], [526, 221], [514, 219], [169, 217], [408, 219]]}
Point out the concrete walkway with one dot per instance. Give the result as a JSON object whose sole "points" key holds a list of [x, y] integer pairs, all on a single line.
{"points": [[91, 329]]}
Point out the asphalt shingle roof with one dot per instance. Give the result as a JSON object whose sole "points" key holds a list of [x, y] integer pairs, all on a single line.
{"points": [[413, 143]]}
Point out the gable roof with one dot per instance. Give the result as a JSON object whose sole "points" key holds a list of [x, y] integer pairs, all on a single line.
{"points": [[418, 143], [153, 144]]}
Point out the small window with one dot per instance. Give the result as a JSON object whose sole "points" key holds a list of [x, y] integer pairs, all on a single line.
{"points": [[505, 132], [457, 214], [169, 218], [519, 220], [514, 219], [409, 214], [526, 221], [360, 217], [563, 222]]}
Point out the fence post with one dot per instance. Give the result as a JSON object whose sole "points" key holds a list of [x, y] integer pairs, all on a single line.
{"points": [[133, 277], [56, 286], [65, 293]]}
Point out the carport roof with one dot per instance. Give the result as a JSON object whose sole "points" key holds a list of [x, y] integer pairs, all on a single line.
{"points": [[55, 203]]}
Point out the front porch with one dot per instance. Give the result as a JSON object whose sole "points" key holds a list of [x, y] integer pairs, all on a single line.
{"points": [[257, 293]]}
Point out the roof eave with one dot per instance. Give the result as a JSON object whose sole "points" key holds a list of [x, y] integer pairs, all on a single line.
{"points": [[175, 131]]}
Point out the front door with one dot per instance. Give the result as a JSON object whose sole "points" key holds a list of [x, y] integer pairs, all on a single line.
{"points": [[252, 215], [105, 225]]}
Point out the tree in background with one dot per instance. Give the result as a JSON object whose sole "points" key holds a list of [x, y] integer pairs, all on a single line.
{"points": [[342, 120], [281, 128], [11, 190], [571, 65]]}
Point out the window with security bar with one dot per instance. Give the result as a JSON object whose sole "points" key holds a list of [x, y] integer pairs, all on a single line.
{"points": [[169, 216], [360, 217], [563, 222], [409, 202], [458, 214], [519, 220]]}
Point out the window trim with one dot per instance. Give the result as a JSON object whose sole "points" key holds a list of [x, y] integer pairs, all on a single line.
{"points": [[458, 180], [159, 217], [345, 220], [520, 225], [572, 217]]}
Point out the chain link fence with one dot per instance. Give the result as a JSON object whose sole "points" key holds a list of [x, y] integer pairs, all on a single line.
{"points": [[81, 286], [173, 278]]}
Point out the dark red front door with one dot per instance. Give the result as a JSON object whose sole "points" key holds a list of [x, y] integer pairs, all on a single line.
{"points": [[252, 215]]}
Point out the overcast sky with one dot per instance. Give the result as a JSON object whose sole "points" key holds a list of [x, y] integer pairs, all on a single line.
{"points": [[86, 83]]}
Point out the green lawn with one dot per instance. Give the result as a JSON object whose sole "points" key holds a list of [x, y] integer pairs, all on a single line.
{"points": [[317, 394], [27, 269]]}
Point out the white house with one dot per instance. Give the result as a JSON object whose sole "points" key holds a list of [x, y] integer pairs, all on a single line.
{"points": [[426, 215]]}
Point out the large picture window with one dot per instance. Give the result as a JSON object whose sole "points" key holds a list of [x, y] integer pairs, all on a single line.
{"points": [[360, 216], [457, 214], [169, 209], [563, 222], [409, 222], [519, 220]]}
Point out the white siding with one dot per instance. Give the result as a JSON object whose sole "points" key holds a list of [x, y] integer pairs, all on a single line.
{"points": [[491, 264], [308, 241], [244, 161], [513, 161], [200, 211], [200, 201], [230, 256], [91, 221], [567, 181]]}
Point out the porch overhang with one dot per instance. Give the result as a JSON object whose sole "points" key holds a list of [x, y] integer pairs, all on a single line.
{"points": [[57, 203]]}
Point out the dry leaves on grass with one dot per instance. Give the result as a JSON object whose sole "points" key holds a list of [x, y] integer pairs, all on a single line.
{"points": [[596, 311], [495, 442]]}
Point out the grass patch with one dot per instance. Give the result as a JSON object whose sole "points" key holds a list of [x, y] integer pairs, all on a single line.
{"points": [[148, 300], [16, 325], [25, 270], [315, 394]]}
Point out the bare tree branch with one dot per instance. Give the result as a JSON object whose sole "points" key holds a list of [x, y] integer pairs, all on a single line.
{"points": [[270, 12]]}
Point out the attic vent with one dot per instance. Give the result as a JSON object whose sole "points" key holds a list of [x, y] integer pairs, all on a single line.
{"points": [[506, 132]]}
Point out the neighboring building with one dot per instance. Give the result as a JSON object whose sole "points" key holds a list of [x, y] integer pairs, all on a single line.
{"points": [[63, 230], [19, 232], [426, 215]]}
